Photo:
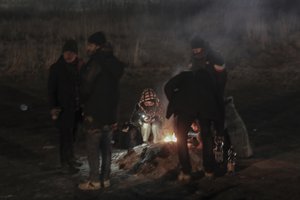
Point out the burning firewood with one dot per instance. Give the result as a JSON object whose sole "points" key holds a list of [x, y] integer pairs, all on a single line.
{"points": [[155, 160]]}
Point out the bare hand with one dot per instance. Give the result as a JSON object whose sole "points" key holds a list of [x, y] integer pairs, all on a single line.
{"points": [[55, 113]]}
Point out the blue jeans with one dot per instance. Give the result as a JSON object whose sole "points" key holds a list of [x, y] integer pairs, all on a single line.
{"points": [[99, 140]]}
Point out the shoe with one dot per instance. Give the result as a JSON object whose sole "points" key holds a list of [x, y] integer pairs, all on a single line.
{"points": [[230, 168], [106, 183], [184, 178], [89, 185], [209, 176]]}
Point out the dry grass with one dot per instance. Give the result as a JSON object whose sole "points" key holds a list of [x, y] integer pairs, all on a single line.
{"points": [[151, 37]]}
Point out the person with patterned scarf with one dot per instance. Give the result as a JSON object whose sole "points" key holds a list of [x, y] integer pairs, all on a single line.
{"points": [[148, 115]]}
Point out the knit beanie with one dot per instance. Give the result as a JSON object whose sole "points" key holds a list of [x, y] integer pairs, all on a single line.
{"points": [[198, 42], [70, 45], [97, 38]]}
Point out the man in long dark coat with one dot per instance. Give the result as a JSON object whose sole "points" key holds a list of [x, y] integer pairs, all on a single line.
{"points": [[63, 94]]}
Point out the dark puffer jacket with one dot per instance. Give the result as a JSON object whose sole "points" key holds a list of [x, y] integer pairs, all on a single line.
{"points": [[100, 87]]}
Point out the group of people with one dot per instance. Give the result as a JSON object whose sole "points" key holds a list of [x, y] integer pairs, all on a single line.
{"points": [[89, 92]]}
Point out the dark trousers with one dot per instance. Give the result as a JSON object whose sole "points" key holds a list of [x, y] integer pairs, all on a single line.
{"points": [[209, 163], [99, 140], [182, 126], [135, 137], [66, 144], [68, 126]]}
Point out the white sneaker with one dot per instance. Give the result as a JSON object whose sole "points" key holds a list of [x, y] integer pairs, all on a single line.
{"points": [[209, 176], [106, 183], [185, 178]]}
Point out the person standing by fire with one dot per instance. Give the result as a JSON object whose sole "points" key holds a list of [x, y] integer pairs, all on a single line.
{"points": [[148, 115], [197, 94], [204, 57], [100, 96], [63, 94]]}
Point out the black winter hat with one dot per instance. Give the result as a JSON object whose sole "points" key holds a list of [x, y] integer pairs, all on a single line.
{"points": [[70, 45], [198, 42], [97, 38]]}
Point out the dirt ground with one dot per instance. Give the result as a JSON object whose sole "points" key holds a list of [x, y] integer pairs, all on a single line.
{"points": [[29, 155]]}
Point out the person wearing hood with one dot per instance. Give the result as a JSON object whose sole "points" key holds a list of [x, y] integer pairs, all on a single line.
{"points": [[203, 57], [100, 95], [148, 115], [63, 95], [197, 94]]}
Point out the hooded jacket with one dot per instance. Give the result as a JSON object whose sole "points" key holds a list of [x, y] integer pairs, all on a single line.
{"points": [[100, 87]]}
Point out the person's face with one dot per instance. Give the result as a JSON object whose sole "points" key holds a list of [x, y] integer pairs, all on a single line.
{"points": [[149, 103], [198, 52], [91, 48], [69, 56], [195, 127]]}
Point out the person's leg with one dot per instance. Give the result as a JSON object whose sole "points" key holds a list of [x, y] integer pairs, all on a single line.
{"points": [[207, 140], [74, 159], [106, 151], [182, 125], [156, 131], [146, 130], [134, 138], [66, 145], [77, 125], [92, 145]]}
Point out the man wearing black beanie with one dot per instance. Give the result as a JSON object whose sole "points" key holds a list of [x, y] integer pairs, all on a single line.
{"points": [[63, 94], [100, 96], [197, 94]]}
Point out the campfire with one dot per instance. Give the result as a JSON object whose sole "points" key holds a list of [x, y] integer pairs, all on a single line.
{"points": [[170, 137]]}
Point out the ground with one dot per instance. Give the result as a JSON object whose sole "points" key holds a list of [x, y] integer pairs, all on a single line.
{"points": [[29, 155]]}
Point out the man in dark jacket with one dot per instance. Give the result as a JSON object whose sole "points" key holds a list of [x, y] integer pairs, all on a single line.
{"points": [[63, 93], [197, 95], [100, 96], [204, 57]]}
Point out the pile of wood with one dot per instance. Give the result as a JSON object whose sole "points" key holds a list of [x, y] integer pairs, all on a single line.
{"points": [[156, 160]]}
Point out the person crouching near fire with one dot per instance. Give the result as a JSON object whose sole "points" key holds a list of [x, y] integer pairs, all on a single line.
{"points": [[196, 129], [148, 115]]}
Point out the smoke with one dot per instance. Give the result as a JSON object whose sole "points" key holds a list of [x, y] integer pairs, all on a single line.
{"points": [[232, 27], [151, 36]]}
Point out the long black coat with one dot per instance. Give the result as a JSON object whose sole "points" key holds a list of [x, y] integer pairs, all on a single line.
{"points": [[100, 87], [63, 89], [219, 76], [193, 93]]}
